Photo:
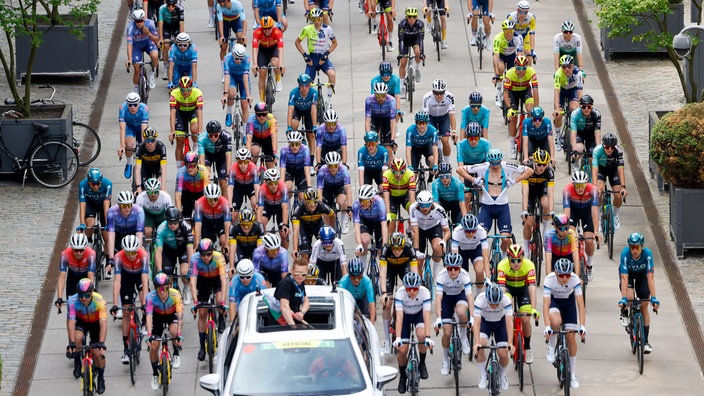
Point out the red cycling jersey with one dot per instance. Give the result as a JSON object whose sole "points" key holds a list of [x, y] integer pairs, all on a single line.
{"points": [[259, 39], [570, 198], [248, 177], [139, 264], [85, 264], [273, 198], [220, 211]]}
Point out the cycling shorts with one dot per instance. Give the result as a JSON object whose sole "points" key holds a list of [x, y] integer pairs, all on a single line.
{"points": [[92, 329], [183, 119], [188, 201], [522, 295], [237, 82], [234, 25], [270, 211], [138, 50], [169, 258], [430, 234], [239, 193], [411, 319], [329, 267], [153, 221], [610, 172], [330, 193], [418, 151], [207, 286], [394, 271], [297, 177], [365, 227], [264, 56], [442, 124], [220, 161], [449, 302], [134, 131], [94, 210], [585, 216], [567, 309], [307, 118], [638, 281], [212, 229], [569, 95], [266, 145], [130, 285], [313, 69], [498, 329], [159, 322], [470, 256], [373, 175], [515, 97], [501, 213], [484, 4]]}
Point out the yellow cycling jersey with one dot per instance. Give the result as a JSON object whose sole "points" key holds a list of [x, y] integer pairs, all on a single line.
{"points": [[525, 28], [506, 48], [194, 101], [398, 187], [514, 83], [522, 277]]}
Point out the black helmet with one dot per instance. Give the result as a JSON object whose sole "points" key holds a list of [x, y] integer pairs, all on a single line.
{"points": [[213, 126], [172, 214], [586, 100], [609, 139]]}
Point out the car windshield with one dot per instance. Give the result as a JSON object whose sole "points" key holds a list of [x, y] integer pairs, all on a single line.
{"points": [[309, 367]]}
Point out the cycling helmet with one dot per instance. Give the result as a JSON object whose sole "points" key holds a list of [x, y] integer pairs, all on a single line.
{"points": [[304, 79], [412, 11], [245, 267], [138, 15], [327, 235], [185, 82], [333, 158], [205, 245], [493, 293], [239, 51], [260, 108], [453, 260], [94, 175], [355, 267], [172, 214], [212, 191], [424, 197], [521, 60], [537, 112], [475, 98], [125, 197], [541, 157], [150, 134], [246, 216], [271, 241], [609, 139], [272, 174], [161, 279], [330, 115], [183, 38], [371, 136], [311, 194], [508, 24], [566, 60], [367, 191], [560, 220], [171, 2], [294, 137], [381, 88], [85, 285], [469, 222], [444, 169], [385, 67], [313, 271], [243, 154], [567, 26], [515, 251], [132, 97], [580, 176], [495, 155], [523, 5], [78, 241], [586, 100], [152, 184], [474, 129], [316, 13], [397, 239], [422, 116], [130, 243], [213, 126], [411, 279], [191, 157], [563, 266], [267, 22], [636, 239], [398, 165], [439, 85]]}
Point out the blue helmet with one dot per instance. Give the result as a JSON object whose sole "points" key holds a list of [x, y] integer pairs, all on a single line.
{"points": [[355, 267], [493, 293], [444, 169], [563, 266], [469, 222], [474, 129], [422, 116], [495, 156], [636, 239], [385, 67], [94, 175], [371, 136], [327, 235], [475, 98], [537, 112], [304, 79]]}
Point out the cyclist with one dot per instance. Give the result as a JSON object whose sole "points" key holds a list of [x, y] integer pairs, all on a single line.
{"points": [[637, 277], [469, 240], [516, 275], [387, 76], [329, 255], [399, 188], [141, 36], [539, 188], [307, 219], [561, 289], [268, 49], [324, 5], [236, 83], [271, 260], [493, 314], [212, 217], [133, 119], [567, 90], [151, 8], [607, 162], [262, 130], [215, 151], [164, 309], [412, 304], [507, 45], [369, 217], [440, 105], [448, 191], [183, 60], [537, 134], [321, 42], [453, 296], [585, 126], [131, 280], [560, 242], [372, 160], [174, 246], [246, 281], [567, 43], [295, 163], [303, 107], [330, 136], [471, 151], [495, 177], [475, 112], [273, 202], [150, 159], [245, 236], [230, 18], [380, 115], [443, 11], [483, 7], [429, 222], [191, 180], [169, 23], [520, 86], [77, 262], [422, 141], [273, 9], [361, 287], [87, 316], [525, 27], [154, 202], [580, 202], [186, 103], [94, 196], [122, 219], [313, 272], [334, 187], [208, 278], [388, 7], [243, 181], [411, 32]]}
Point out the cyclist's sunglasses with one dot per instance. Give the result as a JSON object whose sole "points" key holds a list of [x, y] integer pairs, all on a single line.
{"points": [[563, 276], [586, 107], [521, 68], [412, 289], [133, 105], [476, 106]]}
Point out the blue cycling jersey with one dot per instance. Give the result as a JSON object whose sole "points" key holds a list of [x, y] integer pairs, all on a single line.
{"points": [[469, 155], [372, 162], [294, 161], [137, 37], [276, 263], [540, 132], [482, 118], [136, 119], [302, 103], [375, 213], [339, 179], [328, 140], [415, 139], [394, 84], [266, 5], [221, 146], [452, 192], [238, 290], [233, 12], [365, 289], [86, 194], [628, 264], [183, 58], [387, 109], [235, 69], [133, 223]]}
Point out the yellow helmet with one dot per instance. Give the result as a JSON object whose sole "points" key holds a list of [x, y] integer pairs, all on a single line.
{"points": [[398, 165], [541, 157], [267, 22], [412, 11], [508, 24]]}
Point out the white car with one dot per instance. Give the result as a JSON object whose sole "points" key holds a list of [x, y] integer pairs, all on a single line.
{"points": [[337, 353]]}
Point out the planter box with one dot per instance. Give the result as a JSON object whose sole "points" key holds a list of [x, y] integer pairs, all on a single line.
{"points": [[686, 217], [610, 46], [17, 135], [653, 117], [61, 52]]}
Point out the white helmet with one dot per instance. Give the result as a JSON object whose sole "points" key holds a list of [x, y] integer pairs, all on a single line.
{"points": [[243, 154], [132, 97], [239, 51], [424, 197], [272, 174], [183, 38], [125, 197], [381, 88], [245, 267], [523, 5], [212, 191], [333, 158], [130, 243], [331, 115], [271, 241], [580, 176], [78, 241], [439, 85], [367, 191], [152, 184], [294, 136], [138, 15]]}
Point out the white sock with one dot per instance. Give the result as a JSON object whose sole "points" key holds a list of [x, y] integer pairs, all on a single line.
{"points": [[526, 245], [502, 371], [616, 209], [210, 12], [512, 143], [589, 260], [387, 336], [482, 368], [552, 342], [446, 354], [463, 333], [546, 224], [130, 160], [437, 266], [136, 88], [446, 159], [573, 366]]}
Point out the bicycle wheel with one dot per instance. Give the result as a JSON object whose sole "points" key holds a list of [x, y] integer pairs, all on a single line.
{"points": [[414, 380], [142, 86], [456, 355], [53, 164], [98, 248], [639, 340], [373, 273], [428, 277], [536, 251], [566, 376], [270, 92], [411, 87], [519, 361], [480, 47], [211, 346], [608, 230], [470, 338], [132, 341], [494, 378], [87, 142], [165, 375], [87, 380]]}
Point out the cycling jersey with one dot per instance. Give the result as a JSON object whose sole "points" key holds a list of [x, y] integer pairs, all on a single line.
{"points": [[221, 146], [508, 170], [366, 161], [214, 269], [331, 140], [506, 48], [560, 247], [574, 81], [151, 161], [275, 198], [410, 306], [406, 258], [570, 198], [394, 84], [82, 265], [193, 184], [493, 314], [294, 161], [185, 58], [318, 40], [175, 240], [311, 219], [336, 253], [453, 287], [234, 11], [263, 261], [261, 40], [327, 179], [249, 177], [526, 28], [540, 132], [451, 193], [136, 35], [130, 224], [156, 207], [552, 289], [374, 109], [246, 242], [436, 216], [170, 306], [460, 242], [541, 180], [238, 290], [411, 34], [572, 47], [301, 103], [415, 139], [138, 265], [469, 155], [261, 130], [398, 187], [629, 265], [481, 118], [363, 291], [602, 160], [171, 18], [517, 84], [205, 212], [521, 277], [194, 101], [134, 120], [90, 313], [86, 194], [375, 214], [266, 5], [438, 108], [582, 124]]}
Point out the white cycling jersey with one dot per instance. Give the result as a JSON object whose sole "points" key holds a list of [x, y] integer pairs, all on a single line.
{"points": [[437, 215], [412, 305], [336, 253], [461, 242], [552, 288], [453, 287], [438, 108], [492, 314], [154, 208], [559, 43], [508, 170]]}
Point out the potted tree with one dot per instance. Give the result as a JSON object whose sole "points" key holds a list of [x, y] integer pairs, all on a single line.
{"points": [[677, 147]]}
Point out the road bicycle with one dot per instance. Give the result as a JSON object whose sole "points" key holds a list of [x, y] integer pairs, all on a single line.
{"points": [[474, 199], [582, 161], [456, 350], [373, 267], [322, 104], [583, 270], [413, 365], [239, 135], [421, 182], [211, 332], [519, 353], [164, 362], [562, 359], [88, 380], [495, 253], [134, 340], [143, 81], [607, 222], [535, 245], [97, 244], [481, 34], [518, 139], [270, 87], [435, 28], [409, 81], [382, 32], [492, 368]]}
